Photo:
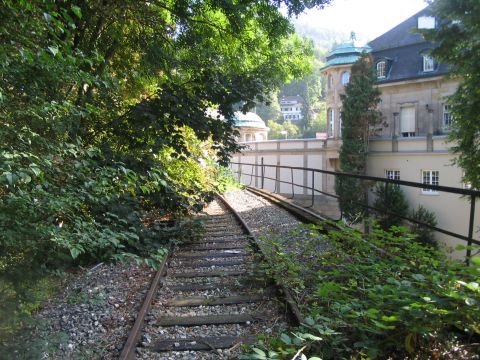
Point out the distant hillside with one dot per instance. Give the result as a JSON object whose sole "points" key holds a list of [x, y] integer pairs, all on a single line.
{"points": [[323, 38]]}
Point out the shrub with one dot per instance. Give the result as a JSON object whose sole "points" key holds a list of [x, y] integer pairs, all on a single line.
{"points": [[390, 199], [424, 234], [406, 302]]}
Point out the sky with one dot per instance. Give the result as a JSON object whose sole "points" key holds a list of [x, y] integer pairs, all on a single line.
{"points": [[367, 18]]}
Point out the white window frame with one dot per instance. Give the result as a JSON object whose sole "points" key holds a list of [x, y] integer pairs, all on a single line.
{"points": [[428, 63], [447, 116], [392, 174], [345, 79], [381, 69], [403, 126], [430, 177]]}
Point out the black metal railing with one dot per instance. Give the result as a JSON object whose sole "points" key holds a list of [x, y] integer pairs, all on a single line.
{"points": [[254, 170]]}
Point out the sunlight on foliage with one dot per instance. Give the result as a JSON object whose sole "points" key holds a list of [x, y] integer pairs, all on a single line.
{"points": [[406, 301]]}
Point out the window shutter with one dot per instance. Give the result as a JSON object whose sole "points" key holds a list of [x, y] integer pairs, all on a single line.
{"points": [[407, 119]]}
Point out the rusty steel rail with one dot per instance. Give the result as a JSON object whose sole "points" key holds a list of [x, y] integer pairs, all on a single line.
{"points": [[292, 305], [305, 214], [128, 351]]}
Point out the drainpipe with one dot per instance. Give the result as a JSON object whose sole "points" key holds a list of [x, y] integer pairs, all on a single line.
{"points": [[396, 126]]}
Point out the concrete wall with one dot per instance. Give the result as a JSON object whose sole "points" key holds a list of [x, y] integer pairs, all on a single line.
{"points": [[309, 153], [452, 211], [410, 158]]}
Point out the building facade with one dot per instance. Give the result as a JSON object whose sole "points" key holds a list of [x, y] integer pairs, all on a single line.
{"points": [[411, 144], [251, 127], [291, 108]]}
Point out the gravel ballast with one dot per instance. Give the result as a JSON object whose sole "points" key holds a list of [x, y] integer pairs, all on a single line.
{"points": [[96, 310]]}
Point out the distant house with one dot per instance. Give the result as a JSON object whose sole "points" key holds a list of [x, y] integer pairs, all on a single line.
{"points": [[291, 108]]}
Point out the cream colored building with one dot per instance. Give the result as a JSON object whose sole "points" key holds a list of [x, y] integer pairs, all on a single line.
{"points": [[411, 145]]}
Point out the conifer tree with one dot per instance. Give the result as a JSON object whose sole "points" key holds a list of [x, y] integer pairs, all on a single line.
{"points": [[359, 113]]}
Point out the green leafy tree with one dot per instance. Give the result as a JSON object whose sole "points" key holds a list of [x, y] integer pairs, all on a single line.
{"points": [[285, 130], [103, 119], [457, 38], [319, 122], [359, 114], [309, 88], [270, 110]]}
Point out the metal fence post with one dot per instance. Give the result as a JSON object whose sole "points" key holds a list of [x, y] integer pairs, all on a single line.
{"points": [[387, 205], [470, 228], [293, 187], [313, 188], [263, 173], [277, 176]]}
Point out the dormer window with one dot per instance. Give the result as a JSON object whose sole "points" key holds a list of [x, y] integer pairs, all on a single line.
{"points": [[381, 69], [426, 22], [428, 63], [345, 78]]}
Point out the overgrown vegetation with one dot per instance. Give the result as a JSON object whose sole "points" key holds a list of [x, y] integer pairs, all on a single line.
{"points": [[359, 114], [407, 301], [105, 142]]}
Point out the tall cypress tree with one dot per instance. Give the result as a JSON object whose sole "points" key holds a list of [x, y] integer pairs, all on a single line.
{"points": [[359, 114]]}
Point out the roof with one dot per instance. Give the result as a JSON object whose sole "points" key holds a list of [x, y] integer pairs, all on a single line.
{"points": [[344, 60], [295, 98], [406, 63], [401, 35], [403, 51], [249, 120], [346, 53]]}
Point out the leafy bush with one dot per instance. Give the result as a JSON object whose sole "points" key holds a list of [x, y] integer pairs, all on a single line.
{"points": [[424, 234], [227, 180], [390, 198], [405, 301]]}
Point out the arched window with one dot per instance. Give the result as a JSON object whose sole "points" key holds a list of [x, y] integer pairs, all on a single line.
{"points": [[248, 137], [381, 69], [345, 78]]}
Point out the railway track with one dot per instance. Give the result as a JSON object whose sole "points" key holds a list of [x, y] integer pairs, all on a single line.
{"points": [[209, 297]]}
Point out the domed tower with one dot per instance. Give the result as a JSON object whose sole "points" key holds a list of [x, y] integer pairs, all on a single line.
{"points": [[251, 127], [337, 73]]}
